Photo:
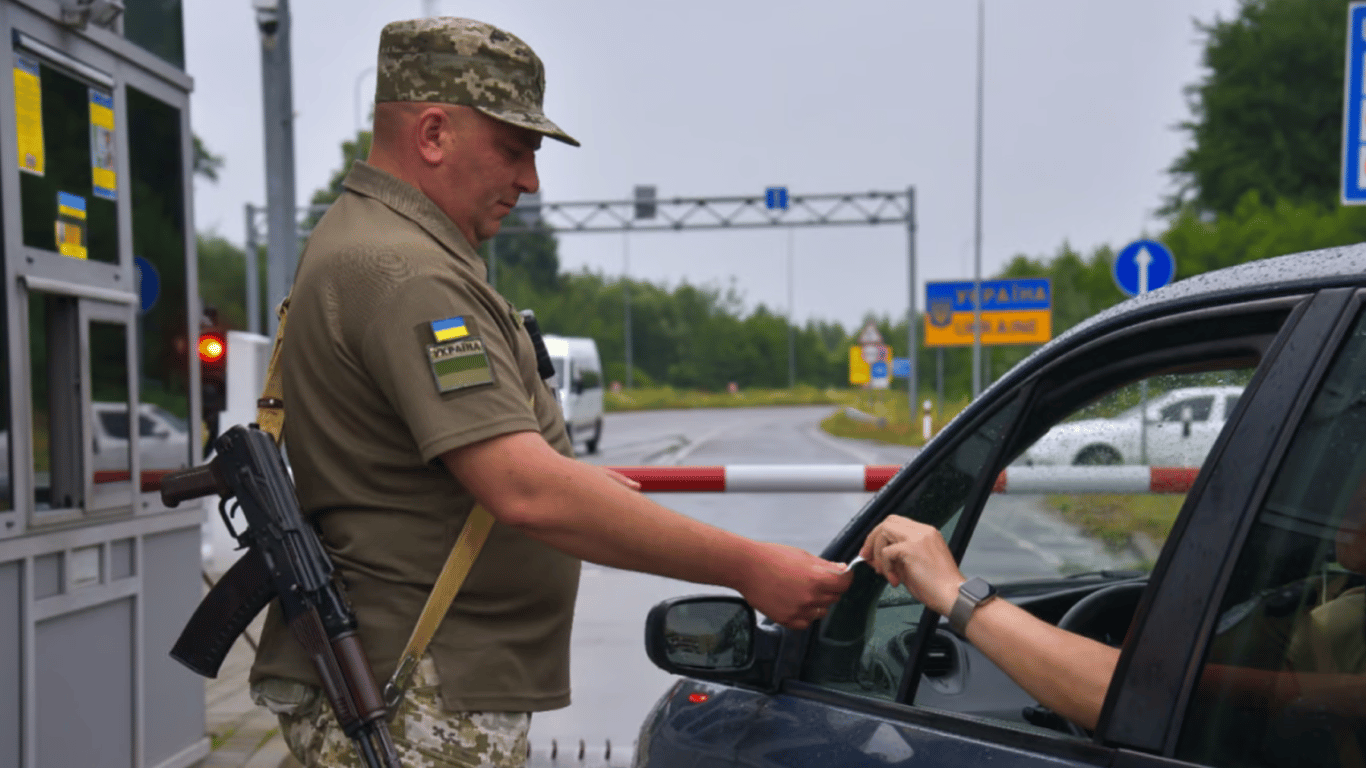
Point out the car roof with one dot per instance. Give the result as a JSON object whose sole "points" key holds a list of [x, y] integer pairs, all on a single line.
{"points": [[1295, 272], [1263, 278]]}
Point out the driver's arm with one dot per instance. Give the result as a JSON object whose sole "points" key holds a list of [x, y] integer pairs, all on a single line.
{"points": [[1064, 671]]}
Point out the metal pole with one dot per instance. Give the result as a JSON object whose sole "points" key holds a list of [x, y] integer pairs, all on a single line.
{"points": [[253, 273], [791, 318], [272, 20], [626, 301], [939, 386], [360, 121], [912, 382], [977, 217]]}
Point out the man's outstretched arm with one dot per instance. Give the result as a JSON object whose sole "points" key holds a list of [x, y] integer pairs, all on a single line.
{"points": [[579, 509]]}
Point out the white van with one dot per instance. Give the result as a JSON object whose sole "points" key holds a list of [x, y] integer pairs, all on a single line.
{"points": [[578, 387]]}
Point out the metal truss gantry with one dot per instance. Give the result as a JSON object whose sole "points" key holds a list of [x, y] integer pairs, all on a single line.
{"points": [[646, 213]]}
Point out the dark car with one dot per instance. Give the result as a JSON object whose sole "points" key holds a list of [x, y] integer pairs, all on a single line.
{"points": [[1225, 572]]}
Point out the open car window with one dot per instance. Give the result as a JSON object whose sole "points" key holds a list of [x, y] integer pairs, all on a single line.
{"points": [[1087, 475], [1284, 678]]}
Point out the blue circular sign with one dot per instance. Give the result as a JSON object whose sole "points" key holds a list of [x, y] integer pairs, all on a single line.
{"points": [[879, 369], [1144, 265], [149, 283]]}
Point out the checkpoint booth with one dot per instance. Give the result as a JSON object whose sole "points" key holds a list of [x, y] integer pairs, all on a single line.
{"points": [[98, 387]]}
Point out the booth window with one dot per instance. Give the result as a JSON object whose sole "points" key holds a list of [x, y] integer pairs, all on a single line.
{"points": [[67, 141], [158, 202], [158, 26]]}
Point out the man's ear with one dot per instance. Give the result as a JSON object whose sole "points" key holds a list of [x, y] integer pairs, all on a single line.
{"points": [[431, 125]]}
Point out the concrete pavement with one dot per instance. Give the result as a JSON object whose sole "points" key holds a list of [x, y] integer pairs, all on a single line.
{"points": [[241, 734]]}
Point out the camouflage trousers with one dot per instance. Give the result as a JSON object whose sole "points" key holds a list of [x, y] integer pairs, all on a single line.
{"points": [[425, 736]]}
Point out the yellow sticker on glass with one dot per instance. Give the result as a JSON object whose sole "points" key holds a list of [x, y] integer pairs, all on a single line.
{"points": [[102, 144], [28, 115]]}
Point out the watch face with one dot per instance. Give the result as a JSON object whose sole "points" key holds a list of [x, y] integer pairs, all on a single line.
{"points": [[977, 588]]}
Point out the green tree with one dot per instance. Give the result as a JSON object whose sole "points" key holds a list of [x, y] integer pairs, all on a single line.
{"points": [[206, 163], [1268, 115]]}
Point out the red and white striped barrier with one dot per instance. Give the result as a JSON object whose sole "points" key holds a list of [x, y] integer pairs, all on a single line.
{"points": [[855, 478]]}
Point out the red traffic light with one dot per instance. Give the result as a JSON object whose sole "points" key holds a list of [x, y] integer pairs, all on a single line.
{"points": [[212, 348]]}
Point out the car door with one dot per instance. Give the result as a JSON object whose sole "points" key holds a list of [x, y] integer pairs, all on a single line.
{"points": [[1269, 558], [882, 681]]}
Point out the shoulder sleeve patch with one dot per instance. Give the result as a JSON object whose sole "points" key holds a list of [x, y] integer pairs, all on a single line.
{"points": [[450, 328], [459, 364]]}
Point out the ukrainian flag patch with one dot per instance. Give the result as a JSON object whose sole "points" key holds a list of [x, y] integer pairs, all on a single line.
{"points": [[450, 328], [459, 364]]}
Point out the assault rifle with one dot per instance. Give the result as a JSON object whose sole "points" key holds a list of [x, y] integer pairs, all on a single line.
{"points": [[284, 560]]}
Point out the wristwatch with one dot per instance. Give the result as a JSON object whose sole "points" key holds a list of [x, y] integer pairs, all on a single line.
{"points": [[971, 595]]}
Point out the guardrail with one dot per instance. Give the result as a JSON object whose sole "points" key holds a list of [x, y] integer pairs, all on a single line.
{"points": [[856, 478]]}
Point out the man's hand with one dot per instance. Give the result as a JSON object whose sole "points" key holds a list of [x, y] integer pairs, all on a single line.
{"points": [[620, 478], [915, 554], [794, 587]]}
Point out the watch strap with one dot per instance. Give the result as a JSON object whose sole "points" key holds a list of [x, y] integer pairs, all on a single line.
{"points": [[967, 603]]}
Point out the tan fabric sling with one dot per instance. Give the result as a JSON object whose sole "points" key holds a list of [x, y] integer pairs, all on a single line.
{"points": [[270, 417]]}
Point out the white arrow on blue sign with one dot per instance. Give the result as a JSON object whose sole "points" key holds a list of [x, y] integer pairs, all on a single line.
{"points": [[901, 367], [1143, 265], [878, 370], [776, 197]]}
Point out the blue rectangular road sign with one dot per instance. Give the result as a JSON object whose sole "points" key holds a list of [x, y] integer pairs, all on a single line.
{"points": [[776, 197], [997, 295], [1353, 114]]}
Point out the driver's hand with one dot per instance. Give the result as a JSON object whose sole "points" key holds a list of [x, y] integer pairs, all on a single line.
{"points": [[914, 554]]}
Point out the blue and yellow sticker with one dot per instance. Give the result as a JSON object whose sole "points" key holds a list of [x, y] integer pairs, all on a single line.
{"points": [[70, 225], [459, 364], [450, 328]]}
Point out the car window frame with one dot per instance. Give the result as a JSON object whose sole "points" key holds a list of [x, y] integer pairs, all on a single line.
{"points": [[1039, 400], [1159, 667]]}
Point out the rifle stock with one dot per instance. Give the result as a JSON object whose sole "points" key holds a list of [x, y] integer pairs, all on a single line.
{"points": [[285, 560]]}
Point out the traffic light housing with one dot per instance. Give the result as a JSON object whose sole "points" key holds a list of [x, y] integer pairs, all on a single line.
{"points": [[213, 376]]}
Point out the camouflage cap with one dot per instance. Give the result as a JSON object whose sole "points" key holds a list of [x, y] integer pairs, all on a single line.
{"points": [[462, 61]]}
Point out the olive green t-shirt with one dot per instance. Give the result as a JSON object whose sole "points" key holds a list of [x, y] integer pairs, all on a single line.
{"points": [[396, 351]]}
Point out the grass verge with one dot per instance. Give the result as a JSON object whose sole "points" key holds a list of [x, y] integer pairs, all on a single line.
{"points": [[1114, 518], [665, 398]]}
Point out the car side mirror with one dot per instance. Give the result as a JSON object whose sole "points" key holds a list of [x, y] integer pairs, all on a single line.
{"points": [[712, 635]]}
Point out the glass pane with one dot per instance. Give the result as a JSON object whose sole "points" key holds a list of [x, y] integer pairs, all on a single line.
{"points": [[1165, 424], [110, 446], [163, 331], [1284, 680], [156, 25], [66, 191], [6, 440], [53, 345], [862, 646]]}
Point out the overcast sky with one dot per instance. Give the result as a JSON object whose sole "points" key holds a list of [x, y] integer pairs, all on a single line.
{"points": [[712, 98]]}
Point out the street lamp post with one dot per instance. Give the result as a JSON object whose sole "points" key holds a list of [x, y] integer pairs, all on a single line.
{"points": [[360, 121]]}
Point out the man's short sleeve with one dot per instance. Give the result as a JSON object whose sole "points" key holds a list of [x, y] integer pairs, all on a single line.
{"points": [[443, 355]]}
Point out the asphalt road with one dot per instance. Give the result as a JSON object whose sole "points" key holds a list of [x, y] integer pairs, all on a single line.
{"points": [[614, 683]]}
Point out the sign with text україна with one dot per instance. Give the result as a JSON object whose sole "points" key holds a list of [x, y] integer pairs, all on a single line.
{"points": [[1354, 109], [1013, 312]]}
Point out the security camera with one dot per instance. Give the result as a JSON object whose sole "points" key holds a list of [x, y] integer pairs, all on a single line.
{"points": [[267, 15], [101, 13]]}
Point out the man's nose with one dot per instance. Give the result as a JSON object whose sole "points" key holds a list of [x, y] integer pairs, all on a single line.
{"points": [[528, 181]]}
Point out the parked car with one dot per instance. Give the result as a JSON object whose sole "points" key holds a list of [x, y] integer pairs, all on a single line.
{"points": [[1192, 587], [1174, 429], [163, 437], [578, 386]]}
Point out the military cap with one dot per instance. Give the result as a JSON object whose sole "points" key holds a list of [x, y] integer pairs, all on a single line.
{"points": [[462, 61]]}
